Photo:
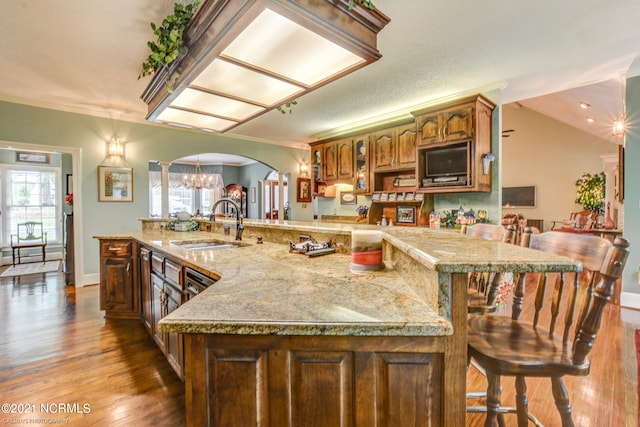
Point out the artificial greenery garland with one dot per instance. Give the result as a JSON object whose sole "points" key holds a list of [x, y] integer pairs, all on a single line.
{"points": [[170, 43]]}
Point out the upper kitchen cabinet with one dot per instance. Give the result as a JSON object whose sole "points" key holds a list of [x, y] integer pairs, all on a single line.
{"points": [[362, 165], [458, 121], [394, 148], [452, 142], [333, 161], [316, 162]]}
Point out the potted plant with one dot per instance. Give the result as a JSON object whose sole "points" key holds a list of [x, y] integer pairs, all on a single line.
{"points": [[590, 192], [169, 44]]}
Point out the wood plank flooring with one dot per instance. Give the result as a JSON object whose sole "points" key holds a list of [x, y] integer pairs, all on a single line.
{"points": [[57, 352], [57, 349]]}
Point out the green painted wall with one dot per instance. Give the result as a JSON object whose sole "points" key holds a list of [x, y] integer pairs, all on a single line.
{"points": [[632, 188], [23, 124]]}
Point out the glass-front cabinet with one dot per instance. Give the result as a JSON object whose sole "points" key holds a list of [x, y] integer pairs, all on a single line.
{"points": [[363, 169]]}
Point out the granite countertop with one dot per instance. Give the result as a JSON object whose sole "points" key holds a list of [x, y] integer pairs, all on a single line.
{"points": [[265, 289]]}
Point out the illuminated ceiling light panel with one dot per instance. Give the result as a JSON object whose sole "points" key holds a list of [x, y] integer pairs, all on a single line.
{"points": [[274, 43], [199, 121], [246, 57], [204, 102], [227, 78]]}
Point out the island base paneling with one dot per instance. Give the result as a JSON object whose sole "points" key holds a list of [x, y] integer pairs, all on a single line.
{"points": [[316, 380]]}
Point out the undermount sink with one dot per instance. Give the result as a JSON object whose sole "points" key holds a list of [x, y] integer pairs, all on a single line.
{"points": [[209, 245]]}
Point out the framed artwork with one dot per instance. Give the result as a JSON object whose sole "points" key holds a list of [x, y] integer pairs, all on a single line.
{"points": [[347, 198], [304, 190], [115, 184], [406, 215], [321, 188], [31, 157], [375, 196], [392, 197], [620, 178]]}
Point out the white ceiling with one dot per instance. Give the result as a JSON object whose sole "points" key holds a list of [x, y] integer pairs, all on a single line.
{"points": [[85, 55]]}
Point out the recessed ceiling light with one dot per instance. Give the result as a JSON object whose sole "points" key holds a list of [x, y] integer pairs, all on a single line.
{"points": [[584, 105], [590, 119]]}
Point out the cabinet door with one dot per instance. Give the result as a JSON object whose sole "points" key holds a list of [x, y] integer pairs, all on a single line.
{"points": [[146, 289], [316, 162], [344, 149], [406, 137], [330, 155], [429, 128], [383, 151], [116, 290], [363, 171], [457, 123], [173, 340], [158, 309]]}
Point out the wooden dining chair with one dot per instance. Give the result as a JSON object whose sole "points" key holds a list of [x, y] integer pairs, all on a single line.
{"points": [[483, 287], [523, 346]]}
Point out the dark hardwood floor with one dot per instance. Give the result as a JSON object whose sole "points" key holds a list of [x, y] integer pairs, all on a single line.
{"points": [[57, 352]]}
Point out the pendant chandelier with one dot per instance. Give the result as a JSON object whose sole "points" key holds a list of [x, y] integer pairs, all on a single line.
{"points": [[198, 180]]}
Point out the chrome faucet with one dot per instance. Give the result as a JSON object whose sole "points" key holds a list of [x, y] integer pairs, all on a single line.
{"points": [[258, 238], [239, 226]]}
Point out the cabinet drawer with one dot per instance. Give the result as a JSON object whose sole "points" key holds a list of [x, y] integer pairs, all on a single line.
{"points": [[173, 294], [115, 248], [173, 272], [156, 264]]}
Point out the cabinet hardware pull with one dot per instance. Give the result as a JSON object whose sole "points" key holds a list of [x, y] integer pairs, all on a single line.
{"points": [[128, 267], [111, 248]]}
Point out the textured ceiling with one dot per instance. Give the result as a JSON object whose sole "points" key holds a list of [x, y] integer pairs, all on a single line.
{"points": [[85, 55]]}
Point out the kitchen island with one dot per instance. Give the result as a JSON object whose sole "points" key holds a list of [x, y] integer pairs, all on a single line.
{"points": [[285, 339]]}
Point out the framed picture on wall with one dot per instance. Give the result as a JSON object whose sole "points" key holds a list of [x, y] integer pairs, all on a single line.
{"points": [[115, 184], [31, 157], [304, 190], [347, 198], [406, 215]]}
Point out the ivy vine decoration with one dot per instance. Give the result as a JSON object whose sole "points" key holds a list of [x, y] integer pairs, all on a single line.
{"points": [[287, 107], [590, 192], [169, 44], [363, 3]]}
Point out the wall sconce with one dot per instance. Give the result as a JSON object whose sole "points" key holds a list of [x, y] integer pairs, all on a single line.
{"points": [[619, 126], [487, 158], [304, 168], [115, 147]]}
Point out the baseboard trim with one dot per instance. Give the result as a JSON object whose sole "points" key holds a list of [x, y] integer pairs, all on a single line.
{"points": [[88, 279], [630, 300]]}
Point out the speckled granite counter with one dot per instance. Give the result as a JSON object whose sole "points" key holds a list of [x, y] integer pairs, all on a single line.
{"points": [[281, 334], [264, 289]]}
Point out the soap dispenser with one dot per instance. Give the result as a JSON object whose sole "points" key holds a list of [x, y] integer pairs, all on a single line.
{"points": [[384, 221]]}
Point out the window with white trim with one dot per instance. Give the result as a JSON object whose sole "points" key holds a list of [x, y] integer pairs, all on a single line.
{"points": [[32, 194]]}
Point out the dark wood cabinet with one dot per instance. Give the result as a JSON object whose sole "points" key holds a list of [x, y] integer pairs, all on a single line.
{"points": [[362, 170], [69, 254], [330, 156], [462, 127], [157, 310], [333, 161], [238, 194], [394, 149], [249, 380], [167, 294], [118, 295], [146, 290], [450, 124]]}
